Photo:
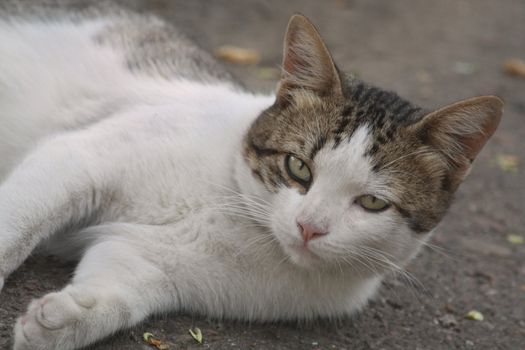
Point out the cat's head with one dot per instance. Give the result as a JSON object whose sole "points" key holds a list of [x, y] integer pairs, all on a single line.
{"points": [[354, 174]]}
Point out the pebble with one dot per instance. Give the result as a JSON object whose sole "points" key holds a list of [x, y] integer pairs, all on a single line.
{"points": [[448, 321], [489, 326], [491, 292]]}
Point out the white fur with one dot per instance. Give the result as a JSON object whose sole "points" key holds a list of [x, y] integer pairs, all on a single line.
{"points": [[166, 213]]}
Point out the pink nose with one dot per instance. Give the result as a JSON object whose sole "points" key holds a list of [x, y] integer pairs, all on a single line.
{"points": [[309, 231]]}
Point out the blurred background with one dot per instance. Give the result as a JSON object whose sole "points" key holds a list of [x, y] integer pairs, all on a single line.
{"points": [[433, 53]]}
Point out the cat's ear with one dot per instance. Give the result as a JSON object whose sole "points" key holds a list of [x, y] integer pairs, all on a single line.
{"points": [[459, 131], [307, 64]]}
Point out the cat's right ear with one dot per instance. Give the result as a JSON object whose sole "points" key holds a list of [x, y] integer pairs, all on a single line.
{"points": [[307, 63], [459, 132]]}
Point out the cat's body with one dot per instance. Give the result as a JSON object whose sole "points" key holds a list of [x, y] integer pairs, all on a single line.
{"points": [[158, 179]]}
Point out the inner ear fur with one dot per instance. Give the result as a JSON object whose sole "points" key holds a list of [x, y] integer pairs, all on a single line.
{"points": [[459, 131], [307, 63]]}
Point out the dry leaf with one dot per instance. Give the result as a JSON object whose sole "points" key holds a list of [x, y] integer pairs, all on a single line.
{"points": [[514, 66], [515, 239], [475, 315], [196, 334], [507, 163], [237, 55], [150, 339]]}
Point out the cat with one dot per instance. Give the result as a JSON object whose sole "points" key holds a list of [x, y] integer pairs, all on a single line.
{"points": [[178, 190]]}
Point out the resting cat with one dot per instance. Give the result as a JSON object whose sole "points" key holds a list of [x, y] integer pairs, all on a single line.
{"points": [[178, 190]]}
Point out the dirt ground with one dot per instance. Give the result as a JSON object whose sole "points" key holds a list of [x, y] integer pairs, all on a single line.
{"points": [[432, 52]]}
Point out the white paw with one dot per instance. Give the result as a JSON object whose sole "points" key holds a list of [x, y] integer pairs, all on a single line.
{"points": [[52, 322]]}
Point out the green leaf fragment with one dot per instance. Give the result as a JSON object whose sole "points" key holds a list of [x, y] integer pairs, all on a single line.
{"points": [[146, 336], [475, 315], [196, 334], [507, 162], [515, 239], [268, 73], [465, 68], [150, 339]]}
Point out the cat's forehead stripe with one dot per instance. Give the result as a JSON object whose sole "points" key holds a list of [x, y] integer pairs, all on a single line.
{"points": [[312, 125], [383, 111]]}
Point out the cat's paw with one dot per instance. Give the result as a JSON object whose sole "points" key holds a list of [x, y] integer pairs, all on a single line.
{"points": [[51, 322]]}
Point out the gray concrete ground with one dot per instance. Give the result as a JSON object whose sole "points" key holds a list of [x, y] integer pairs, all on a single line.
{"points": [[432, 52]]}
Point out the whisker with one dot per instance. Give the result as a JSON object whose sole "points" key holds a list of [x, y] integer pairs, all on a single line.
{"points": [[437, 249], [379, 256], [257, 240]]}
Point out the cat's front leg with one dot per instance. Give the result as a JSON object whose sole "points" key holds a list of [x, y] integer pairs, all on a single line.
{"points": [[61, 183], [116, 285]]}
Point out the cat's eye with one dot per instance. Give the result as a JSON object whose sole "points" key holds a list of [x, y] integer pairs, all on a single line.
{"points": [[298, 170], [372, 203]]}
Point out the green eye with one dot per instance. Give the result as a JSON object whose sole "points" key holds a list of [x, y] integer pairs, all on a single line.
{"points": [[298, 170], [372, 203]]}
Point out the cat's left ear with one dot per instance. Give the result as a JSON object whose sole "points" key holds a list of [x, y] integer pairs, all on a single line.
{"points": [[307, 64], [460, 130]]}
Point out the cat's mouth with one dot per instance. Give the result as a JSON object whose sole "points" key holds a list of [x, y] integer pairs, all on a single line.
{"points": [[302, 255], [303, 249], [299, 253]]}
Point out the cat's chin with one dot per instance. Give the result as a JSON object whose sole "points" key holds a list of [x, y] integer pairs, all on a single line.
{"points": [[303, 256]]}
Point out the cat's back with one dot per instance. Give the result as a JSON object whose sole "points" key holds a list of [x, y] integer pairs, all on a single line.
{"points": [[149, 45], [65, 65]]}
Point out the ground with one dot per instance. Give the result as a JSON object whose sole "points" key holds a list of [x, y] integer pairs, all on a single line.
{"points": [[432, 53]]}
